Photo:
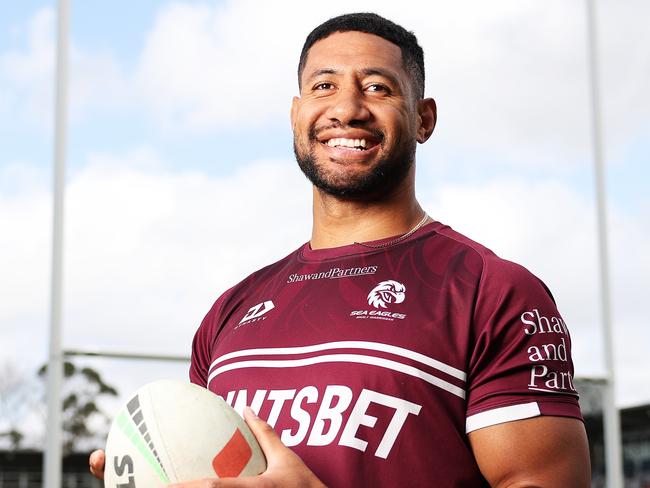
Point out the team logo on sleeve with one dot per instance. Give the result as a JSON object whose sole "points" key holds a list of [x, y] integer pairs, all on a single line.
{"points": [[386, 292], [383, 296]]}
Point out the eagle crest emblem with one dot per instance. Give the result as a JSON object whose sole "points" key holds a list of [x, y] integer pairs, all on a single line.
{"points": [[386, 292]]}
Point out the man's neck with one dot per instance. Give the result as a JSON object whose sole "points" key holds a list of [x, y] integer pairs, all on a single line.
{"points": [[340, 222]]}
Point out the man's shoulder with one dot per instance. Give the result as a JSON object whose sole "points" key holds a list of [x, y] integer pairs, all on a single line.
{"points": [[455, 240], [492, 267], [244, 289], [460, 243]]}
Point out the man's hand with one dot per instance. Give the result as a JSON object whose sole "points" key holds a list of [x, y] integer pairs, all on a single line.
{"points": [[284, 467], [96, 461]]}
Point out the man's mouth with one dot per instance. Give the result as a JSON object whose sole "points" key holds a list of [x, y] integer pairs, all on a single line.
{"points": [[350, 142], [356, 144]]}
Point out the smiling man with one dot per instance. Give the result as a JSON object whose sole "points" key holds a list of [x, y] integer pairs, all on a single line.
{"points": [[367, 152], [389, 350]]}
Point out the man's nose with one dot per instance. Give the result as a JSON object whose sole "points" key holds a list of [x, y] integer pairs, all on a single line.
{"points": [[348, 106]]}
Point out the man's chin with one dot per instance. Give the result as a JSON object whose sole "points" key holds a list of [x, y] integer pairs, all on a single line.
{"points": [[345, 192], [365, 186], [354, 180], [342, 181]]}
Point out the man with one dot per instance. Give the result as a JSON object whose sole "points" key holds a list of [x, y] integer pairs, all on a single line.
{"points": [[389, 350]]}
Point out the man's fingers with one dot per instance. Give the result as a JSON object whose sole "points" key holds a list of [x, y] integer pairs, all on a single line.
{"points": [[264, 433], [243, 482], [96, 461], [204, 483]]}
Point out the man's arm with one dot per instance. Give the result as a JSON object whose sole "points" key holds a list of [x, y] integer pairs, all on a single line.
{"points": [[542, 452]]}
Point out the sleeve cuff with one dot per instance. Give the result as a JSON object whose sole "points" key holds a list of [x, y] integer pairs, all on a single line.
{"points": [[501, 415]]}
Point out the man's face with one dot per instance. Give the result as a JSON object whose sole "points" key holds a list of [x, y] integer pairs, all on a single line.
{"points": [[355, 123]]}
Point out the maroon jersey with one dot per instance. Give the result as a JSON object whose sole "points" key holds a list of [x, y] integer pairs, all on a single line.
{"points": [[374, 364]]}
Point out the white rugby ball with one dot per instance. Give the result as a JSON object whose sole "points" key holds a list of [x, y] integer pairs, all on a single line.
{"points": [[172, 431]]}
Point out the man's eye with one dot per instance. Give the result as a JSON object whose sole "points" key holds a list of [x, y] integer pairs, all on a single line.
{"points": [[323, 86], [377, 87]]}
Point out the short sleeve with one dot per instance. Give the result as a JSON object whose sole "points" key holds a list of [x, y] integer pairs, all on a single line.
{"points": [[200, 361], [204, 338], [520, 366]]}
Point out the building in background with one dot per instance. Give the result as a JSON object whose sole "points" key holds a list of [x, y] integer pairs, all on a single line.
{"points": [[24, 469], [635, 430]]}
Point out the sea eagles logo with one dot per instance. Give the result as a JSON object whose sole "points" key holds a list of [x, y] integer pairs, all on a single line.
{"points": [[387, 292]]}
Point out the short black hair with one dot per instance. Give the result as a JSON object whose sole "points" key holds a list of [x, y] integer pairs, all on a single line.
{"points": [[370, 23]]}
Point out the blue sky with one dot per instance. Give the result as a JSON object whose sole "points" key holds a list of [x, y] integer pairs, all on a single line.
{"points": [[179, 139], [119, 30]]}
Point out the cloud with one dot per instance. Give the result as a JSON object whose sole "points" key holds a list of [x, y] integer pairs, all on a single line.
{"points": [[96, 80], [511, 82], [510, 78], [145, 248], [205, 67], [25, 221], [624, 68], [551, 229], [28, 73], [148, 250]]}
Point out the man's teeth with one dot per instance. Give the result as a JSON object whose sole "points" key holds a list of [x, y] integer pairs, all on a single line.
{"points": [[352, 143]]}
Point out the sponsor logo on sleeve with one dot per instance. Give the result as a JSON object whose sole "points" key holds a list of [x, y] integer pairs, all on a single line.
{"points": [[550, 370], [382, 297]]}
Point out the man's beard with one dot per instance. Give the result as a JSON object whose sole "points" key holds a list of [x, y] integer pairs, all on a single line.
{"points": [[377, 182]]}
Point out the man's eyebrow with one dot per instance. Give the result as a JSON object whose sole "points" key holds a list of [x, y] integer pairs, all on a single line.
{"points": [[365, 71], [381, 72], [322, 71]]}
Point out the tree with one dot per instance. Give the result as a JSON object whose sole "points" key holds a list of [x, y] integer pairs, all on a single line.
{"points": [[83, 420], [18, 397]]}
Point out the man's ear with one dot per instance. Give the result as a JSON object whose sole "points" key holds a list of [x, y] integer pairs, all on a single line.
{"points": [[427, 117], [294, 110]]}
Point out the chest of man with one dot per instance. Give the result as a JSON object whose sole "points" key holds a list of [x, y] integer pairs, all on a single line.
{"points": [[358, 363]]}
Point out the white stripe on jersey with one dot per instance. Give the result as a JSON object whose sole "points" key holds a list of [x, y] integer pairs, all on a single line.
{"points": [[373, 346], [332, 358], [501, 415]]}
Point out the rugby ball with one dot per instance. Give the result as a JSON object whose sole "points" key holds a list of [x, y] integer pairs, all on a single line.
{"points": [[171, 431]]}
